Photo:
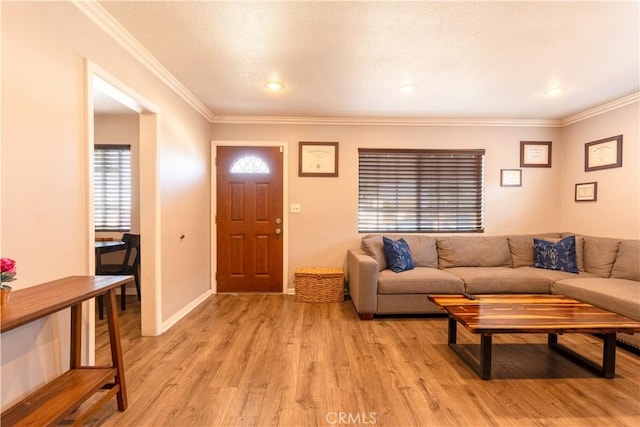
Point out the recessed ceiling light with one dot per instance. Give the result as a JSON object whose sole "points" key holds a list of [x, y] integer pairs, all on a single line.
{"points": [[409, 88], [274, 85], [555, 91]]}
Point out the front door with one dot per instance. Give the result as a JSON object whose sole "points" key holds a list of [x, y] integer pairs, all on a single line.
{"points": [[249, 219]]}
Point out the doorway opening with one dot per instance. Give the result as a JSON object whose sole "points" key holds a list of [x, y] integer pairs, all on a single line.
{"points": [[107, 94]]}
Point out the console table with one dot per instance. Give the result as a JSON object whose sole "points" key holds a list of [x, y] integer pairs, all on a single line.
{"points": [[54, 401]]}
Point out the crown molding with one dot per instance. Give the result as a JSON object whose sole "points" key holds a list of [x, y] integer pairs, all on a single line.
{"points": [[601, 109], [113, 28], [363, 121]]}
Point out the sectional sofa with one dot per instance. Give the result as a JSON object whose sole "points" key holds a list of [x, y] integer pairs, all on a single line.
{"points": [[608, 272]]}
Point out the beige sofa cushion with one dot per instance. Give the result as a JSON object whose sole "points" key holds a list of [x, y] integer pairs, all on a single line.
{"points": [[627, 265], [497, 280], [600, 254], [472, 251], [423, 249], [373, 246], [420, 280], [617, 295], [553, 275], [521, 247]]}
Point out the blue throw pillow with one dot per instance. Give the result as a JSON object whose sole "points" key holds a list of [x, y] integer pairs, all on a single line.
{"points": [[398, 254], [559, 255]]}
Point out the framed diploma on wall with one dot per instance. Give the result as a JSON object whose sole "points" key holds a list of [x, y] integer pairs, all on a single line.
{"points": [[587, 192], [318, 159], [511, 177], [535, 154], [603, 154]]}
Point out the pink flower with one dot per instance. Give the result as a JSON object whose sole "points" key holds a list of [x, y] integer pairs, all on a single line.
{"points": [[8, 267]]}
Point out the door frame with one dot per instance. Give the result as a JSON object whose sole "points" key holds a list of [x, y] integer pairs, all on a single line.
{"points": [[285, 202], [149, 138]]}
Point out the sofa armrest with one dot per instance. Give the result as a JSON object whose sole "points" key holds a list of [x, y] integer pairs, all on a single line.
{"points": [[362, 272]]}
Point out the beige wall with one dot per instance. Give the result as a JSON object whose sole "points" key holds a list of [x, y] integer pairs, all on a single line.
{"points": [[328, 224], [616, 213], [45, 221]]}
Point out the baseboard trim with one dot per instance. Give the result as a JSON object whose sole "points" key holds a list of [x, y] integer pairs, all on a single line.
{"points": [[167, 324]]}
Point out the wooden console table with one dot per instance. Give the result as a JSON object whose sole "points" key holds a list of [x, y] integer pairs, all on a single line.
{"points": [[54, 401]]}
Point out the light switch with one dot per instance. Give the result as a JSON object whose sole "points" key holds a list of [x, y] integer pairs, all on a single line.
{"points": [[296, 208]]}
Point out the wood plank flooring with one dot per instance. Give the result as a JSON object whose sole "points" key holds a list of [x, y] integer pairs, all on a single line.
{"points": [[266, 360]]}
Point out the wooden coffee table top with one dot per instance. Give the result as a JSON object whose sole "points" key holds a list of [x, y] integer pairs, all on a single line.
{"points": [[491, 314]]}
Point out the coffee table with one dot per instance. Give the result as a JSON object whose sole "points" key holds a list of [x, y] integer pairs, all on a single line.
{"points": [[531, 314]]}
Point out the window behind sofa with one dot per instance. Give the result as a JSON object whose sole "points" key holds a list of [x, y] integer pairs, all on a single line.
{"points": [[420, 190], [112, 187]]}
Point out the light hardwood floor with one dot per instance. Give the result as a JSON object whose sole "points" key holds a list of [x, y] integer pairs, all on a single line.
{"points": [[265, 360]]}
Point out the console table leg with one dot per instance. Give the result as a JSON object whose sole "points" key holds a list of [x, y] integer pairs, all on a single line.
{"points": [[76, 336], [116, 349], [609, 356], [552, 339], [485, 356], [452, 331]]}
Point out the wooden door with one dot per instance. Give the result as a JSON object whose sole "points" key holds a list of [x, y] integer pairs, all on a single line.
{"points": [[249, 219]]}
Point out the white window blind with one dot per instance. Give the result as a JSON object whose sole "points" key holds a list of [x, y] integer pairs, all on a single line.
{"points": [[420, 190], [112, 187]]}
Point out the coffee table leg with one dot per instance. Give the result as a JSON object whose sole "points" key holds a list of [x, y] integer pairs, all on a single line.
{"points": [[452, 330], [483, 366], [608, 367], [485, 356], [609, 356]]}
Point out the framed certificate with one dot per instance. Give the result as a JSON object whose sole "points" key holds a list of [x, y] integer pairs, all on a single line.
{"points": [[511, 177], [318, 159], [603, 154], [587, 192], [535, 154]]}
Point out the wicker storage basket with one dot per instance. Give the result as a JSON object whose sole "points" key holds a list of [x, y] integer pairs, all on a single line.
{"points": [[317, 284]]}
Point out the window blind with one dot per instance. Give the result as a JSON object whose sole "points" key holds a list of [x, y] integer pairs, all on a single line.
{"points": [[112, 187], [420, 190]]}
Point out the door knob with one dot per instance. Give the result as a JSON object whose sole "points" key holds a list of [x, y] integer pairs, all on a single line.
{"points": [[278, 231], [278, 221]]}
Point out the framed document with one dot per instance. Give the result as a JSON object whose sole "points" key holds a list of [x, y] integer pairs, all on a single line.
{"points": [[603, 154], [318, 159], [587, 192], [535, 154], [511, 177]]}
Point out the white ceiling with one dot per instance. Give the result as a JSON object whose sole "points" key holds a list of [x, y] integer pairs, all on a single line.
{"points": [[469, 60]]}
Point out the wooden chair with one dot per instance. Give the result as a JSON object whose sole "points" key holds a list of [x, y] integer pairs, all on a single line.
{"points": [[130, 265]]}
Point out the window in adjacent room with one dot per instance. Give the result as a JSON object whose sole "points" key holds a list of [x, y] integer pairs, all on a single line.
{"points": [[112, 187], [420, 190]]}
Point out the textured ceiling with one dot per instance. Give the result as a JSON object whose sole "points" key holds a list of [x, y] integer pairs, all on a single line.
{"points": [[476, 60]]}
